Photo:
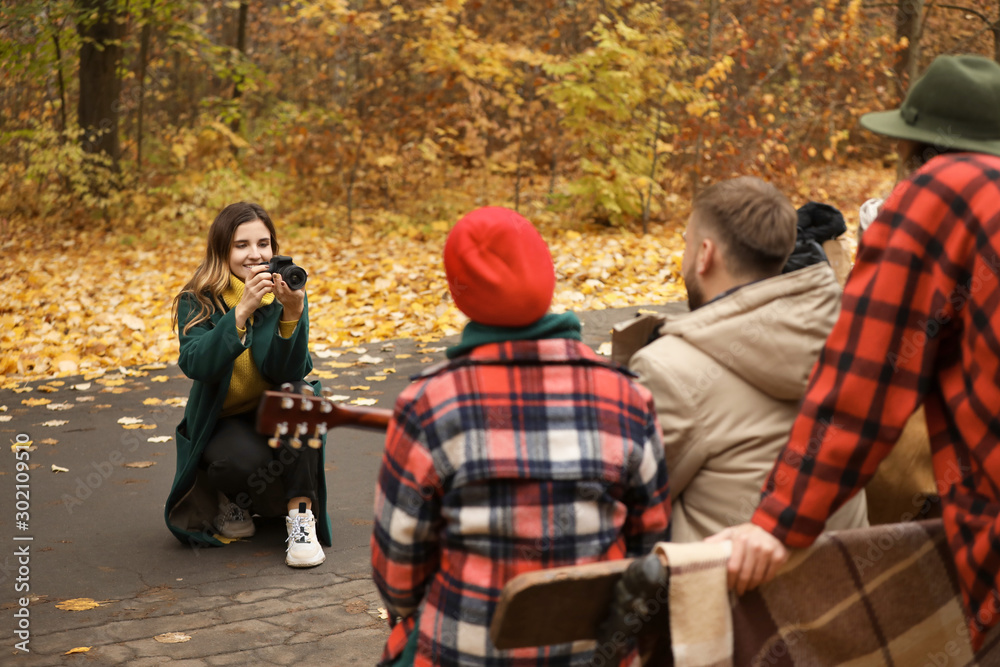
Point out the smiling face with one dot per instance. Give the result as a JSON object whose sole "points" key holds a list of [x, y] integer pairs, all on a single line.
{"points": [[251, 246]]}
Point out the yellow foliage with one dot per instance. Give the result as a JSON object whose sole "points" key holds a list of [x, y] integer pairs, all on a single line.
{"points": [[372, 286]]}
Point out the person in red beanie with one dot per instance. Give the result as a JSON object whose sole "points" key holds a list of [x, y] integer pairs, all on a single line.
{"points": [[523, 451]]}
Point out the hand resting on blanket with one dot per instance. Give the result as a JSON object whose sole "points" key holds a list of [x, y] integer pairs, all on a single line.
{"points": [[756, 557]]}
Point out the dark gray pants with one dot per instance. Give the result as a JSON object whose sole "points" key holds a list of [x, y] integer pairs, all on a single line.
{"points": [[240, 464]]}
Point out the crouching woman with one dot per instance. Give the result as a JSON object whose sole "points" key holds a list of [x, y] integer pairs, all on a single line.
{"points": [[242, 331]]}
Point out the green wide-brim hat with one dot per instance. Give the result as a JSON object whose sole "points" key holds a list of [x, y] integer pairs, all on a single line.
{"points": [[954, 106]]}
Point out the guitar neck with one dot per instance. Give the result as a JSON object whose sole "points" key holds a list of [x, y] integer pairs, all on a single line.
{"points": [[297, 414]]}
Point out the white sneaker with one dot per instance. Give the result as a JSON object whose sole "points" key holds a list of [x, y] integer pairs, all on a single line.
{"points": [[304, 549], [232, 520]]}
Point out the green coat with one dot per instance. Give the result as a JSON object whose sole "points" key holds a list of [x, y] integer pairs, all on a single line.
{"points": [[207, 354]]}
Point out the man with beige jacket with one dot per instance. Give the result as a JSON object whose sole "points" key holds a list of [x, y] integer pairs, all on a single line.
{"points": [[727, 377]]}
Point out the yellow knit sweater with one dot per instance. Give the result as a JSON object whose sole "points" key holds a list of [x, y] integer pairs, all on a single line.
{"points": [[247, 384]]}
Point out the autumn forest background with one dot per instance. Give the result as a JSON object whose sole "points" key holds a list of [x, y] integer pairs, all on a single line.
{"points": [[368, 127]]}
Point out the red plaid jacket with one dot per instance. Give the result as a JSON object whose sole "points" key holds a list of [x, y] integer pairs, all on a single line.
{"points": [[920, 323], [516, 457]]}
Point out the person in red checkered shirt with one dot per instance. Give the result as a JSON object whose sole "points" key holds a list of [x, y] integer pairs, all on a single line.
{"points": [[523, 451], [920, 322]]}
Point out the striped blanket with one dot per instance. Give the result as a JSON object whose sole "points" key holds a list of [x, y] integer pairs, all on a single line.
{"points": [[885, 595]]}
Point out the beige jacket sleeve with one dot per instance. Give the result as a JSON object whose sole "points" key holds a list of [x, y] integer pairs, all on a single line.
{"points": [[685, 453]]}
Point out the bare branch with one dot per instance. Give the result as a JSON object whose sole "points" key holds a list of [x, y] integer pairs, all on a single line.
{"points": [[968, 10]]}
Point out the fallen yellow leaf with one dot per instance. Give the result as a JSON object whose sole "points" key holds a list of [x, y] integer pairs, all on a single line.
{"points": [[68, 366], [152, 401], [34, 402], [80, 604], [132, 322], [360, 387], [375, 378], [159, 378], [78, 649], [140, 464]]}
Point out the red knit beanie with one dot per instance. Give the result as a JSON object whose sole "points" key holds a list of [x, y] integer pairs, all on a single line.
{"points": [[499, 269]]}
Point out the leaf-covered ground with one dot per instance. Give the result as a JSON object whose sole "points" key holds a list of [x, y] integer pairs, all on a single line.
{"points": [[82, 303]]}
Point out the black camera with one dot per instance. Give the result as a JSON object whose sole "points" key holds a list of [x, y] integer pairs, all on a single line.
{"points": [[295, 276]]}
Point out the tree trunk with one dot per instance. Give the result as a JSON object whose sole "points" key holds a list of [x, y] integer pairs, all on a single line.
{"points": [[908, 25], [713, 11], [62, 85], [101, 33], [144, 40], [647, 200], [996, 37], [241, 46], [351, 180], [553, 167]]}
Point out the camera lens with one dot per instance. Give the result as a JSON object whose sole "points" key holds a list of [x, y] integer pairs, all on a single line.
{"points": [[295, 276]]}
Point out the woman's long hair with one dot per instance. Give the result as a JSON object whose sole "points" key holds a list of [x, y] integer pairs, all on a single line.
{"points": [[211, 278]]}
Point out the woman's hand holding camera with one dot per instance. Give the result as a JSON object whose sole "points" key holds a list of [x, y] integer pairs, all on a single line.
{"points": [[257, 284], [292, 301], [260, 282]]}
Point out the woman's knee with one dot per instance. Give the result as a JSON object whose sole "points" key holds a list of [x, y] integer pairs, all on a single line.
{"points": [[235, 471]]}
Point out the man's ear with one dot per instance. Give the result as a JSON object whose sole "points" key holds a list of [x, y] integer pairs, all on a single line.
{"points": [[708, 256]]}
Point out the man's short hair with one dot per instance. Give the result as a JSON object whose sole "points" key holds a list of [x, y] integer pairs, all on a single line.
{"points": [[753, 221]]}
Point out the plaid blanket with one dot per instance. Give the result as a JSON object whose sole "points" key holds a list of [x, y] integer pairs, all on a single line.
{"points": [[881, 596], [885, 595]]}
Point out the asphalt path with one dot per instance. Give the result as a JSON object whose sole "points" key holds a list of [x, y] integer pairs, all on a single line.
{"points": [[93, 560]]}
